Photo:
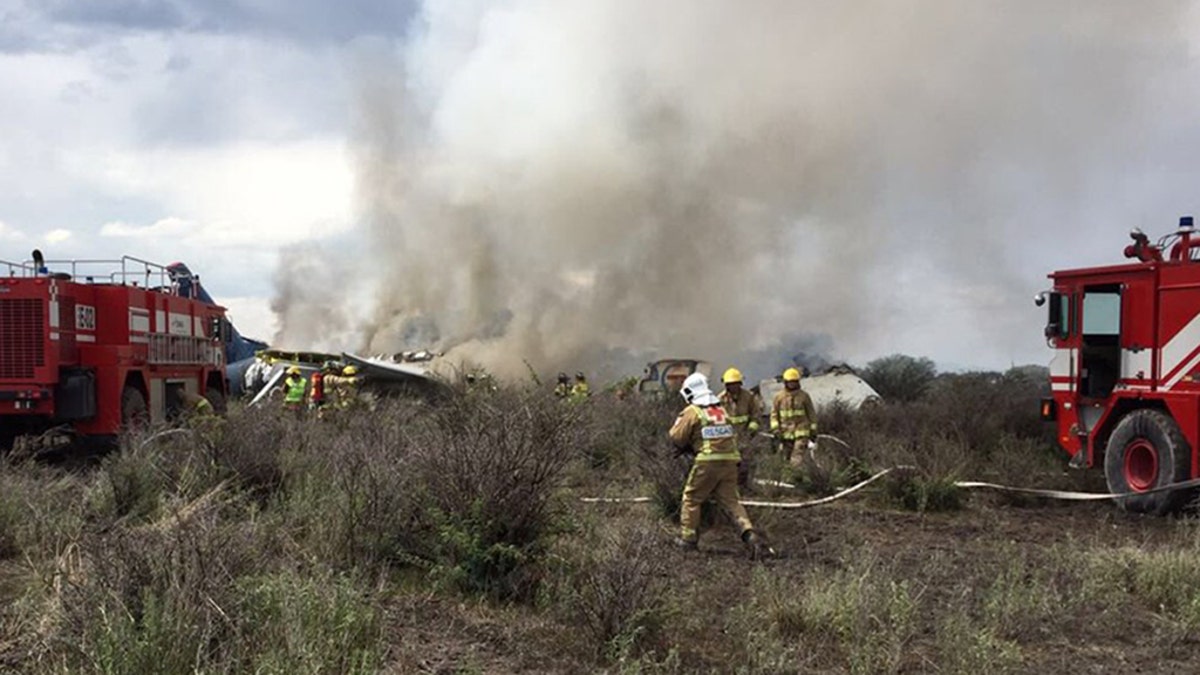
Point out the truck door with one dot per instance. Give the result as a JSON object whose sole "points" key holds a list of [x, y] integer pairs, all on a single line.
{"points": [[1100, 341]]}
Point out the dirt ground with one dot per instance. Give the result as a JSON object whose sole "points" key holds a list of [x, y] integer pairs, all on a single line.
{"points": [[945, 554]]}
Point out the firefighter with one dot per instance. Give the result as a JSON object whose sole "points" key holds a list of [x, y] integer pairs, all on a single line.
{"points": [[704, 431], [346, 388], [793, 418], [195, 406], [580, 390], [198, 414], [744, 409], [563, 388], [317, 395], [294, 389]]}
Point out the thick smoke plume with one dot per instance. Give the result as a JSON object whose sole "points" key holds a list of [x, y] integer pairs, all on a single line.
{"points": [[556, 181]]}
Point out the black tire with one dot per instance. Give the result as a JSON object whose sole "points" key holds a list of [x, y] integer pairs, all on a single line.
{"points": [[216, 398], [134, 412], [1147, 450]]}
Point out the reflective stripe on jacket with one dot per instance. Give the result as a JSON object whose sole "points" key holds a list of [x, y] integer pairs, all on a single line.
{"points": [[793, 416], [742, 410]]}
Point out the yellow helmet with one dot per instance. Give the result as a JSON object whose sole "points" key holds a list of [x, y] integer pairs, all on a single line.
{"points": [[349, 370], [732, 375], [294, 370], [791, 375]]}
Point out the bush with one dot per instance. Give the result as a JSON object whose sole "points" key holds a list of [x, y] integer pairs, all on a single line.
{"points": [[612, 585], [924, 493], [900, 378], [488, 471]]}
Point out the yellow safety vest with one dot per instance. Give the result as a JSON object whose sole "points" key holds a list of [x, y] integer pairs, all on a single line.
{"points": [[294, 388]]}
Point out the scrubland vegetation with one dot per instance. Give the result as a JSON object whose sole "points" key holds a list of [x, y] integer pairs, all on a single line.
{"points": [[447, 537]]}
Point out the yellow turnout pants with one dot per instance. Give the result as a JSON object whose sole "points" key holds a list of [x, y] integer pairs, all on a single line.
{"points": [[718, 479]]}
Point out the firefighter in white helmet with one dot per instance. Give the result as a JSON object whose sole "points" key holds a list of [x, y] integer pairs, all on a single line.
{"points": [[704, 431], [744, 409], [793, 418]]}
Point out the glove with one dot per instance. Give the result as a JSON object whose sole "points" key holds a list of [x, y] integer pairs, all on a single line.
{"points": [[812, 445], [753, 426]]}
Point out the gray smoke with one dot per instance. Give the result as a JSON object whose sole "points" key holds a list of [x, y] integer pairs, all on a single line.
{"points": [[556, 181]]}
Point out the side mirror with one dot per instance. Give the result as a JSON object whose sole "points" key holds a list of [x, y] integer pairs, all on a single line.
{"points": [[1052, 330], [1039, 299]]}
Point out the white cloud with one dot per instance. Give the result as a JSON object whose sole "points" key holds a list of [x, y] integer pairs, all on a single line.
{"points": [[10, 233], [247, 193], [163, 227], [57, 236]]}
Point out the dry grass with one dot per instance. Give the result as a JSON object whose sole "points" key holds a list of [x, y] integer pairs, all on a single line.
{"points": [[444, 537]]}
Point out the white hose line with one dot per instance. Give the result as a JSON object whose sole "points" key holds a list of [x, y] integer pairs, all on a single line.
{"points": [[1065, 495]]}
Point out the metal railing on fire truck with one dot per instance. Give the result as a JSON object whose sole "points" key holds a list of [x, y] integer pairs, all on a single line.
{"points": [[128, 270]]}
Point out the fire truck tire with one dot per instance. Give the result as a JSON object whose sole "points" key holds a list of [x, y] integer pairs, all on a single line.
{"points": [[216, 398], [1147, 450], [134, 412]]}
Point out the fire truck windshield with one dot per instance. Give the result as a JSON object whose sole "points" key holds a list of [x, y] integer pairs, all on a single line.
{"points": [[1101, 313]]}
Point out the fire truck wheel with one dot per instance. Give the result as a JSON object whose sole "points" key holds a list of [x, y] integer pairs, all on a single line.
{"points": [[1147, 450], [133, 408]]}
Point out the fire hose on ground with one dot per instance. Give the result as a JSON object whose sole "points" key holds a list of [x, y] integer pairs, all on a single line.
{"points": [[1064, 495]]}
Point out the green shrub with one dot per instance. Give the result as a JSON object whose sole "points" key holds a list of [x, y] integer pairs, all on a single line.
{"points": [[612, 585], [921, 493], [293, 623]]}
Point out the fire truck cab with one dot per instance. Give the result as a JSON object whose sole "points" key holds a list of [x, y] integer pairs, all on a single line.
{"points": [[88, 347], [1125, 377]]}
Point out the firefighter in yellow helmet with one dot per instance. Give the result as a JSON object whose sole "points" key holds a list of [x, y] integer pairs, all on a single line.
{"points": [[346, 388], [744, 410], [793, 418], [580, 391], [703, 430], [294, 389]]}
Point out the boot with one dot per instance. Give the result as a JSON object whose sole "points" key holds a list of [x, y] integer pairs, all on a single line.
{"points": [[756, 546], [686, 544]]}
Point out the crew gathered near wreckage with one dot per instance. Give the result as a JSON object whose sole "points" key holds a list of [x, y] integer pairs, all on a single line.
{"points": [[703, 430]]}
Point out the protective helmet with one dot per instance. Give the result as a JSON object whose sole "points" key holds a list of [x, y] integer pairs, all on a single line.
{"points": [[695, 390], [562, 377], [349, 371], [732, 375], [791, 375], [579, 376], [294, 370]]}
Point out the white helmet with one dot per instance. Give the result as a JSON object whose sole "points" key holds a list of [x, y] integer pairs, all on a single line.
{"points": [[695, 390]]}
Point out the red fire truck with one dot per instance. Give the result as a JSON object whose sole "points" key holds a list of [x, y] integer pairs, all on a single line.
{"points": [[88, 347], [1125, 377]]}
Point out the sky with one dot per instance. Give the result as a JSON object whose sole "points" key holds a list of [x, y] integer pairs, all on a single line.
{"points": [[230, 134]]}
